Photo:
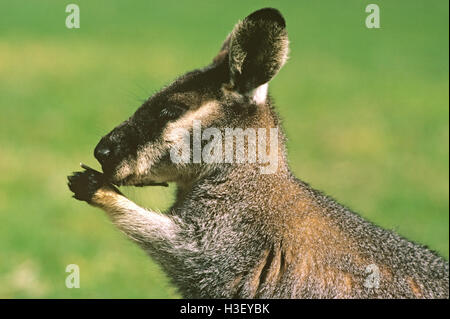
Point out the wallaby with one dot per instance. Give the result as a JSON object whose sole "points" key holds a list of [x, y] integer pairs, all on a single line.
{"points": [[235, 231]]}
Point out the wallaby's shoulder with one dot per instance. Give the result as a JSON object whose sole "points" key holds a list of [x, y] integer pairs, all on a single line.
{"points": [[335, 244]]}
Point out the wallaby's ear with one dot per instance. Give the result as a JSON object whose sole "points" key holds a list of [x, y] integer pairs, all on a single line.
{"points": [[257, 49]]}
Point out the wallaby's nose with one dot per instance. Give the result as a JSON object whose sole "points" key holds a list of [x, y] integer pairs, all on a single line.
{"points": [[102, 153]]}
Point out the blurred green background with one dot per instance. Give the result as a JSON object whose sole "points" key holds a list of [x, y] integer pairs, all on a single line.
{"points": [[365, 110]]}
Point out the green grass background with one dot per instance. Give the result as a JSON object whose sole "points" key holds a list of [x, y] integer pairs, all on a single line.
{"points": [[366, 113]]}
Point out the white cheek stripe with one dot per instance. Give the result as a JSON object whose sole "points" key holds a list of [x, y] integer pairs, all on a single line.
{"points": [[205, 113], [259, 95]]}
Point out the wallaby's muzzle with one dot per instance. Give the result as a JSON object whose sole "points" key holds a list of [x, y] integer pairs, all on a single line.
{"points": [[115, 147], [104, 154]]}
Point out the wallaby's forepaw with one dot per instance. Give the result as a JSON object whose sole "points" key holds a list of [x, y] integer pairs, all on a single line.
{"points": [[85, 184]]}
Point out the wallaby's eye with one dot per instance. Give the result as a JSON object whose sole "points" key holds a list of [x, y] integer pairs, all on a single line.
{"points": [[173, 111]]}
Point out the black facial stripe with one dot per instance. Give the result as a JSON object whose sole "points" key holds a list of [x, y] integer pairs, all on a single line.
{"points": [[173, 111], [151, 118]]}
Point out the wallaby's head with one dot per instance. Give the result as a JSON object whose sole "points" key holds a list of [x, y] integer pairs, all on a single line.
{"points": [[231, 92]]}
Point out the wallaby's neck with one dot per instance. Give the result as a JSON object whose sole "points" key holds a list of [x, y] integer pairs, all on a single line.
{"points": [[235, 180]]}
